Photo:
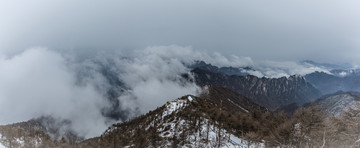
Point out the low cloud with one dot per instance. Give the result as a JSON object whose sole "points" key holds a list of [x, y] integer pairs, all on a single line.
{"points": [[41, 82], [188, 55], [37, 82], [275, 69]]}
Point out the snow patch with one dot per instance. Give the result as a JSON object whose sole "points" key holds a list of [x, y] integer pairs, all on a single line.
{"points": [[20, 141], [190, 98], [171, 129], [1, 145], [173, 106], [208, 132], [339, 104], [238, 105]]}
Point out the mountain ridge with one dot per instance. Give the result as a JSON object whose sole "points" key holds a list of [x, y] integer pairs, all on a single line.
{"points": [[268, 92]]}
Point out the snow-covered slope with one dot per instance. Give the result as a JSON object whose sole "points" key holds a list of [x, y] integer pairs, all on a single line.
{"points": [[208, 130], [1, 142], [184, 122], [336, 104]]}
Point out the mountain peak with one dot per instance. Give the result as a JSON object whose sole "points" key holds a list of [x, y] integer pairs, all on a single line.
{"points": [[188, 121]]}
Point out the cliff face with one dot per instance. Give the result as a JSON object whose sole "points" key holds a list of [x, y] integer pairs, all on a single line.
{"points": [[268, 92]]}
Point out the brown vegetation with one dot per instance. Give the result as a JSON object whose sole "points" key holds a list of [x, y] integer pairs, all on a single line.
{"points": [[307, 127]]}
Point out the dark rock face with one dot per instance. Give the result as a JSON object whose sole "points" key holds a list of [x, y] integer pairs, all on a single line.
{"points": [[229, 99], [268, 92], [328, 83]]}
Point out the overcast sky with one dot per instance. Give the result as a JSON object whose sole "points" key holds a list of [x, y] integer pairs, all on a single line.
{"points": [[38, 37], [322, 30]]}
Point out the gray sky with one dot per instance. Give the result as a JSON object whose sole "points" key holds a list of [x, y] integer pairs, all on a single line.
{"points": [[323, 30]]}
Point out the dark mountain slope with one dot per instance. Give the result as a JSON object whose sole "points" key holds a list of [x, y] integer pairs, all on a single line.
{"points": [[328, 83], [230, 100], [268, 92]]}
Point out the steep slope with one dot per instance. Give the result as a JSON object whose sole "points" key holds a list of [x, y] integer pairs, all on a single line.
{"points": [[268, 92], [338, 103], [229, 100], [187, 122]]}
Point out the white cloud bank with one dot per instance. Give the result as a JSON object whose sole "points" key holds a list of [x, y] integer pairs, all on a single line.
{"points": [[39, 82], [276, 69]]}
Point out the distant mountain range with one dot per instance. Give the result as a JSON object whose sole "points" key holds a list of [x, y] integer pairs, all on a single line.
{"points": [[268, 92], [275, 92], [239, 71], [329, 83]]}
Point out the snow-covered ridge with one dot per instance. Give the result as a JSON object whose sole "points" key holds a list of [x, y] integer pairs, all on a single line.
{"points": [[177, 104], [174, 106], [190, 98], [181, 123], [170, 107], [207, 128], [338, 104]]}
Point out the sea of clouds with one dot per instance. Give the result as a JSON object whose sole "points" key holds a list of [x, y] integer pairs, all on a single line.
{"points": [[44, 82]]}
